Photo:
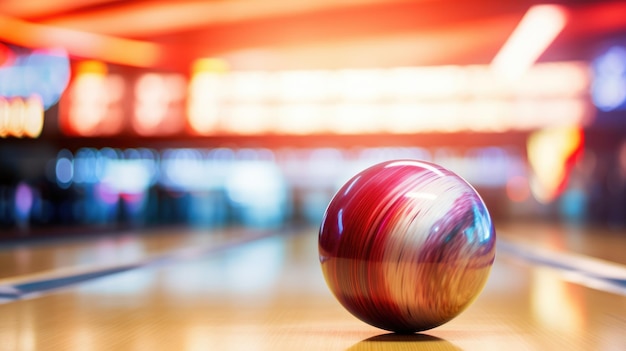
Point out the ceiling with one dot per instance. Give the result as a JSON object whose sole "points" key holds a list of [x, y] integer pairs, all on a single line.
{"points": [[170, 34]]}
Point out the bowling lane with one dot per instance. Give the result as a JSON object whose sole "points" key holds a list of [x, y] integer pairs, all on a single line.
{"points": [[269, 294], [597, 242], [28, 259]]}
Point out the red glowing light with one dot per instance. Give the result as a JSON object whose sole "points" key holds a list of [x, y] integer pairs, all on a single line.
{"points": [[159, 104], [517, 189], [94, 101]]}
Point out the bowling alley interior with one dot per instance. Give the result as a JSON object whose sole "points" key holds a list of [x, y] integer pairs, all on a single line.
{"points": [[312, 175]]}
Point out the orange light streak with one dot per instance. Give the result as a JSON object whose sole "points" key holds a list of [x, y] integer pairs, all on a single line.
{"points": [[89, 45], [139, 19]]}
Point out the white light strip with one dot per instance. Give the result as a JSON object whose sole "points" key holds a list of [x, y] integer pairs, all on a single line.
{"points": [[535, 32]]}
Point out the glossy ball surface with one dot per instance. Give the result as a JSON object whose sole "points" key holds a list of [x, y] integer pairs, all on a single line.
{"points": [[406, 245]]}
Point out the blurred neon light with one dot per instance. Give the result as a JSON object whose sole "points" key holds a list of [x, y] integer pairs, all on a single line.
{"points": [[151, 102], [247, 119], [303, 85], [209, 65], [250, 86], [359, 84], [130, 171], [21, 117], [551, 155], [436, 99], [64, 169], [205, 94], [39, 72], [609, 86], [139, 20], [7, 56], [93, 105], [356, 118], [301, 118], [517, 189], [535, 32], [203, 106], [159, 103], [360, 101], [427, 82], [33, 117], [89, 45], [23, 199], [128, 176], [188, 170]]}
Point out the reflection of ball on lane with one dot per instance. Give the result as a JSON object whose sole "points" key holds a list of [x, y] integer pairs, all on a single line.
{"points": [[395, 341], [406, 245]]}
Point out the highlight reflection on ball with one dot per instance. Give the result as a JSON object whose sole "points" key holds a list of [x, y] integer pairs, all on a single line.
{"points": [[406, 245]]}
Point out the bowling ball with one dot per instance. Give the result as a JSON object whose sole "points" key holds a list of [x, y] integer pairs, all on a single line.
{"points": [[406, 245]]}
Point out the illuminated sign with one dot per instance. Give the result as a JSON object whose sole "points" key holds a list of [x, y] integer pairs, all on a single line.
{"points": [[395, 100], [401, 100]]}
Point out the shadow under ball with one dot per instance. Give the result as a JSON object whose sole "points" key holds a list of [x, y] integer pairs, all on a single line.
{"points": [[406, 245]]}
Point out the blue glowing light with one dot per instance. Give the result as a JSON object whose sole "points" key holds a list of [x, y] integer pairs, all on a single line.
{"points": [[44, 73], [609, 86]]}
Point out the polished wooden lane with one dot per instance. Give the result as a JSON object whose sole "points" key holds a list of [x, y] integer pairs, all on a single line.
{"points": [[269, 294], [595, 241], [41, 257]]}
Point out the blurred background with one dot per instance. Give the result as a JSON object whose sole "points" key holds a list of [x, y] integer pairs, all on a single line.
{"points": [[118, 114]]}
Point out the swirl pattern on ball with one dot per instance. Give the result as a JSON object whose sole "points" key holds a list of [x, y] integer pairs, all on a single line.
{"points": [[406, 245]]}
